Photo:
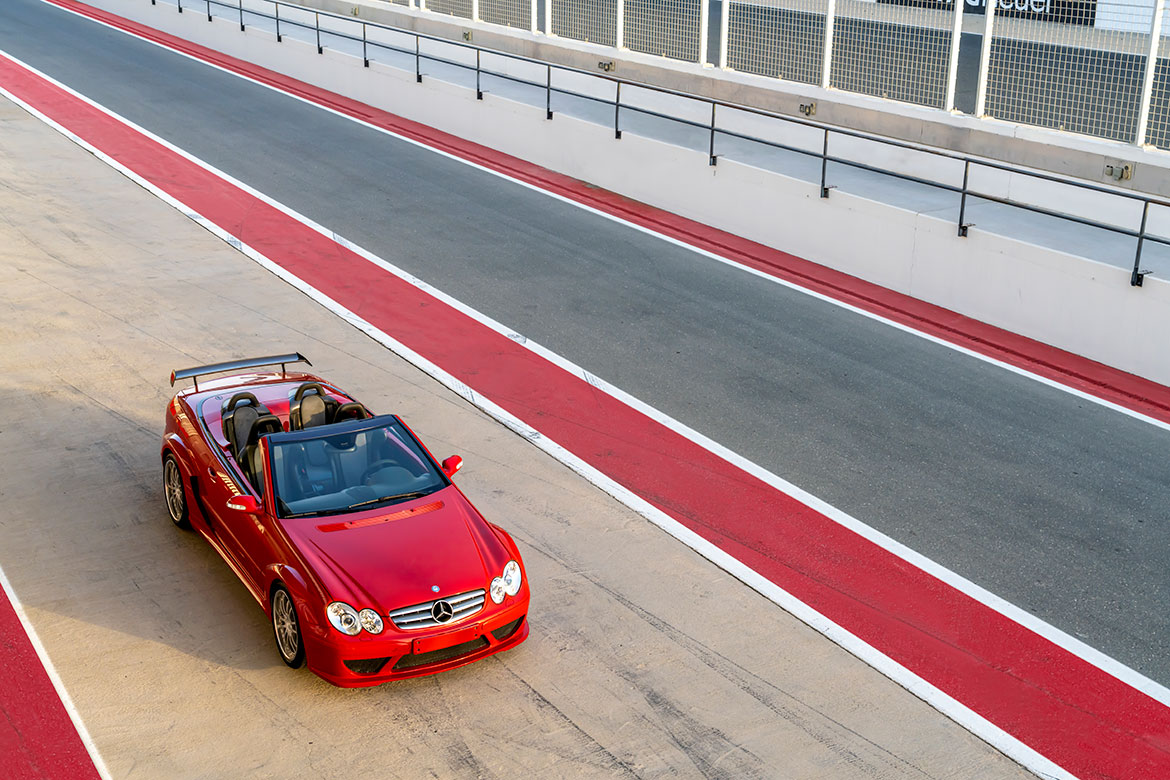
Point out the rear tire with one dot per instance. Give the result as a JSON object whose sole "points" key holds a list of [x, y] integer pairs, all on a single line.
{"points": [[287, 629], [174, 493]]}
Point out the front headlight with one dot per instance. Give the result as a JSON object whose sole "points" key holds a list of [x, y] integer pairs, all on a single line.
{"points": [[497, 590], [344, 618], [511, 578], [371, 621]]}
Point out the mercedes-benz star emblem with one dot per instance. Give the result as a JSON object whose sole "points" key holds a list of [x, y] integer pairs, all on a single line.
{"points": [[441, 611]]}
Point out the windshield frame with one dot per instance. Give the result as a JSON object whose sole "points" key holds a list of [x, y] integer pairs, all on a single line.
{"points": [[387, 421]]}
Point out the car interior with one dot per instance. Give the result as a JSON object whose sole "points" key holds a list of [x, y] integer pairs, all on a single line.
{"points": [[245, 420]]}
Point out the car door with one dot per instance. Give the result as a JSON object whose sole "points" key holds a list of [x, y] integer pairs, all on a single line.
{"points": [[250, 532], [229, 526]]}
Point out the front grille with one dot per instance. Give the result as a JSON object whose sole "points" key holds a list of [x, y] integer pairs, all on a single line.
{"points": [[366, 665], [438, 656], [506, 630], [419, 615]]}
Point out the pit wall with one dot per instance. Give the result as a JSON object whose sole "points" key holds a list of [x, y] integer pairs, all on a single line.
{"points": [[1076, 304]]}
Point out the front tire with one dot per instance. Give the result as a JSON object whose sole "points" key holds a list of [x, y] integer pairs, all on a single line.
{"points": [[176, 496], [287, 629]]}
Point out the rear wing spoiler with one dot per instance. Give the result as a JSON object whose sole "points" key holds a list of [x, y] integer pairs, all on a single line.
{"points": [[236, 365]]}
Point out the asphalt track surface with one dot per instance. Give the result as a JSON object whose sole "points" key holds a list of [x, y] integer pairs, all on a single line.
{"points": [[645, 659], [1053, 503]]}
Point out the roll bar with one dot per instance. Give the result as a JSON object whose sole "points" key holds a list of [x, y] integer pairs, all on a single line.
{"points": [[235, 365]]}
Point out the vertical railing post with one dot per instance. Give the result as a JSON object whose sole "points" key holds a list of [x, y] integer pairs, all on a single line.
{"points": [[478, 90], [724, 35], [317, 24], [277, 7], [1136, 278], [1139, 137], [548, 22], [241, 15], [548, 94], [620, 24], [825, 164], [953, 64], [532, 10], [963, 201], [209, 10], [704, 29], [827, 62], [417, 59], [711, 146], [617, 107], [985, 60], [180, 6], [475, 10], [365, 54]]}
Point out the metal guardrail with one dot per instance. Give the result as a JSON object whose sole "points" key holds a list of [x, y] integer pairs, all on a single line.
{"points": [[964, 191]]}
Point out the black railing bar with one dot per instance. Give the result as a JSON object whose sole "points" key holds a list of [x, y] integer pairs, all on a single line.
{"points": [[273, 17], [903, 176], [765, 142], [992, 198], [701, 125], [948, 155], [930, 183], [1057, 214], [457, 64], [545, 87], [751, 110]]}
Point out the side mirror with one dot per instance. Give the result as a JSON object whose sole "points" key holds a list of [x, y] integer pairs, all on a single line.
{"points": [[452, 464], [247, 504]]}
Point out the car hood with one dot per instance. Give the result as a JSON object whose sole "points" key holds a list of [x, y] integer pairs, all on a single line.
{"points": [[396, 556]]}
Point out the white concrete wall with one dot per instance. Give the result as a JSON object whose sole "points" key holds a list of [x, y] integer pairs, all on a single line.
{"points": [[1077, 304]]}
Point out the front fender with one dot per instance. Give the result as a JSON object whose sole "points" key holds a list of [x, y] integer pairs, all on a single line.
{"points": [[307, 599], [174, 444]]}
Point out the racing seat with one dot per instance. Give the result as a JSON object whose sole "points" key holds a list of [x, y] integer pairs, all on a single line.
{"points": [[239, 415], [250, 464], [310, 406]]}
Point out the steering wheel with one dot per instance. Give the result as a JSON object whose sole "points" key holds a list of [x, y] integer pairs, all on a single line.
{"points": [[376, 466]]}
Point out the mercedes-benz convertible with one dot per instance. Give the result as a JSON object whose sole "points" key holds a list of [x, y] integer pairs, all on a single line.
{"points": [[371, 564]]}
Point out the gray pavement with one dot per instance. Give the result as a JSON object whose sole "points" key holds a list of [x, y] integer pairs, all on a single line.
{"points": [[1055, 504], [645, 660]]}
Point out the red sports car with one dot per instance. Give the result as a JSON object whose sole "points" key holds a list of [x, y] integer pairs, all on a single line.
{"points": [[370, 563]]}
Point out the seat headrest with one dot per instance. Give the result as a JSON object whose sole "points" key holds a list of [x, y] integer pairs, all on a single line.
{"points": [[313, 411], [350, 411], [265, 424], [310, 406]]}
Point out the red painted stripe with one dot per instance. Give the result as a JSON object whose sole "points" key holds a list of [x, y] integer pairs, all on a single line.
{"points": [[37, 739], [1068, 710], [1111, 384]]}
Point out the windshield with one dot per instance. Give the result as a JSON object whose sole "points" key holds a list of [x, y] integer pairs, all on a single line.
{"points": [[350, 470]]}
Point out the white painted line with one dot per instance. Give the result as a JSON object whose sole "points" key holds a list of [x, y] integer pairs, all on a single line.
{"points": [[650, 231], [55, 678]]}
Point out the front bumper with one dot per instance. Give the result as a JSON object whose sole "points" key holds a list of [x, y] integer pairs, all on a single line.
{"points": [[354, 662]]}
